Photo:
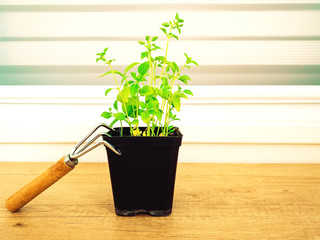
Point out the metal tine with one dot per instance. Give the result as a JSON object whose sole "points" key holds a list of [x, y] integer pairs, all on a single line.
{"points": [[74, 156], [89, 143], [84, 139]]}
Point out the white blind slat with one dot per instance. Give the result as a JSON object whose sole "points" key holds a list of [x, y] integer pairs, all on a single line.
{"points": [[126, 52], [234, 41], [198, 25]]}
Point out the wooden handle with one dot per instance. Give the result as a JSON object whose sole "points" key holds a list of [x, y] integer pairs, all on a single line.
{"points": [[38, 185]]}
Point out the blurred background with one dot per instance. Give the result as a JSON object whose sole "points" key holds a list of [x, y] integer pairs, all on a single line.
{"points": [[256, 92]]}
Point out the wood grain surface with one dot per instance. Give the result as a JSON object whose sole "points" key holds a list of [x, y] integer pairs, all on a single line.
{"points": [[212, 201]]}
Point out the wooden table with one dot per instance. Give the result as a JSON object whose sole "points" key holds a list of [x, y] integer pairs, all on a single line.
{"points": [[212, 201]]}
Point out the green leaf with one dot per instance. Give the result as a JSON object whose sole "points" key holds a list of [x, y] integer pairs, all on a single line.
{"points": [[134, 101], [143, 79], [166, 88], [164, 30], [180, 20], [123, 95], [155, 48], [184, 81], [134, 75], [165, 94], [173, 35], [146, 90], [176, 103], [115, 105], [100, 58], [144, 55], [141, 42], [145, 116], [134, 88], [160, 58], [175, 66], [187, 91], [195, 63], [107, 91], [152, 112], [177, 16], [109, 72], [154, 39], [106, 115], [165, 24], [184, 77], [171, 129], [143, 68], [130, 109], [152, 103], [124, 78], [147, 38], [142, 105], [159, 114], [113, 122], [119, 116], [182, 95], [104, 51], [129, 67], [165, 81], [110, 61], [135, 122]]}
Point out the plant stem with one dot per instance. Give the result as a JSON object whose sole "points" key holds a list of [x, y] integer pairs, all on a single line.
{"points": [[125, 108], [166, 55], [162, 71], [114, 77], [166, 119], [175, 78], [150, 69]]}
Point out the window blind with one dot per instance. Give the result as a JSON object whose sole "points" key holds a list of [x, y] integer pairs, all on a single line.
{"points": [[235, 42]]}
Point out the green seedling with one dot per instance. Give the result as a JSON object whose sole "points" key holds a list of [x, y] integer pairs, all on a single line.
{"points": [[148, 92]]}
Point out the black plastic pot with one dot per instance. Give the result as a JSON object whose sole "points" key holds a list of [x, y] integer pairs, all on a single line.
{"points": [[143, 176]]}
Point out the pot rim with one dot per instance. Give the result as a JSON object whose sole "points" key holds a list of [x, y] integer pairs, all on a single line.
{"points": [[109, 134]]}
